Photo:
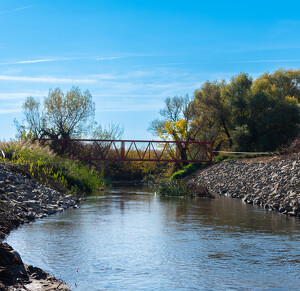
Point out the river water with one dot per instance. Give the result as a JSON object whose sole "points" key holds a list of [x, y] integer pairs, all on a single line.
{"points": [[131, 239]]}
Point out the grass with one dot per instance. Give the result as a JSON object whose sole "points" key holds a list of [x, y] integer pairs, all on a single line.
{"points": [[43, 165], [173, 188], [187, 170], [193, 167]]}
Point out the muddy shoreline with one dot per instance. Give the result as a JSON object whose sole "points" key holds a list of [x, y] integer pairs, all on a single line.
{"points": [[23, 200]]}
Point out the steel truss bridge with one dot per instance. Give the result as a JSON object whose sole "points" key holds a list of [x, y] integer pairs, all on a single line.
{"points": [[134, 150]]}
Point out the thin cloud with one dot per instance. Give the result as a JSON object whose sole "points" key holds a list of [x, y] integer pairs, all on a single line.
{"points": [[18, 95], [262, 61], [130, 75], [107, 58], [137, 95], [104, 76], [16, 9], [45, 79], [8, 111], [36, 61], [168, 64], [207, 63], [31, 61], [125, 109], [95, 58]]}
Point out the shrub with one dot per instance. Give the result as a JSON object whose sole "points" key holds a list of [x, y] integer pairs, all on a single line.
{"points": [[174, 188]]}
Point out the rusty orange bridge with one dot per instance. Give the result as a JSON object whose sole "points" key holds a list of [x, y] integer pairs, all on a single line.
{"points": [[135, 150]]}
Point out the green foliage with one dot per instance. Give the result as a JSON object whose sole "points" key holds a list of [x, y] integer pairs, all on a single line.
{"points": [[187, 170], [237, 93], [60, 116], [173, 188], [247, 115], [242, 139], [223, 158], [270, 122], [41, 164]]}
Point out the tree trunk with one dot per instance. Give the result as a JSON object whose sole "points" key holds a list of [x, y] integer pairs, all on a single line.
{"points": [[183, 153], [227, 133]]}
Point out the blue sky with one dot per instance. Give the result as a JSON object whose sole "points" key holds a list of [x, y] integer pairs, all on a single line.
{"points": [[131, 55]]}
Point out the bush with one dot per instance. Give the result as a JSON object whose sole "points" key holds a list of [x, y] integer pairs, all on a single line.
{"points": [[178, 188]]}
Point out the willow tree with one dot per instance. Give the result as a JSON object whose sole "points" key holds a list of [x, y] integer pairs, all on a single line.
{"points": [[61, 116], [281, 83], [212, 114], [247, 115]]}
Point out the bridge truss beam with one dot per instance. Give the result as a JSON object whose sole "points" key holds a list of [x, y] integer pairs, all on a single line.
{"points": [[134, 150]]}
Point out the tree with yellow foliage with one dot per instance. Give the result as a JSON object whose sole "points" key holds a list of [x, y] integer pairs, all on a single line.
{"points": [[175, 123]]}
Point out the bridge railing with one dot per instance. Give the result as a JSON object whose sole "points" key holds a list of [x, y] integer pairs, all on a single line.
{"points": [[133, 150]]}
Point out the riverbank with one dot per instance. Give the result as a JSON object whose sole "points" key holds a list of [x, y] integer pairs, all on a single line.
{"points": [[23, 200], [272, 183]]}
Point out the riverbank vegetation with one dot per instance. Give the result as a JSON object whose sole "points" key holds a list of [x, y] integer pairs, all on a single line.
{"points": [[243, 115], [187, 170], [43, 165], [172, 188], [180, 188], [70, 115], [240, 115]]}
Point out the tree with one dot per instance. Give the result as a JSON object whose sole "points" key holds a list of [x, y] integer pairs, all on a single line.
{"points": [[236, 94], [62, 116], [175, 123], [34, 118], [271, 122], [287, 82], [212, 114], [249, 115], [271, 113], [110, 132]]}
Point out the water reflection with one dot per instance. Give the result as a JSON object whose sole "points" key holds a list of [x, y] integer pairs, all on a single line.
{"points": [[231, 215], [131, 239]]}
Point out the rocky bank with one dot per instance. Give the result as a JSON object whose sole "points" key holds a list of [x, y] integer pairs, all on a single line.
{"points": [[23, 200], [273, 184]]}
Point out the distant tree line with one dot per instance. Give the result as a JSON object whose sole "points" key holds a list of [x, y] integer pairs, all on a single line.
{"points": [[242, 115]]}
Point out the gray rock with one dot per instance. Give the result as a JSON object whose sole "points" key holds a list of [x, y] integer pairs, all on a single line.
{"points": [[17, 256], [30, 215], [273, 185]]}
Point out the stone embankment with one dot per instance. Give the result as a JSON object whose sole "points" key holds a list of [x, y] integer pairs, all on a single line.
{"points": [[30, 199], [274, 185], [23, 200]]}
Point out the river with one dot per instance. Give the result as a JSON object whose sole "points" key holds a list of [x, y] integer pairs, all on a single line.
{"points": [[131, 239]]}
